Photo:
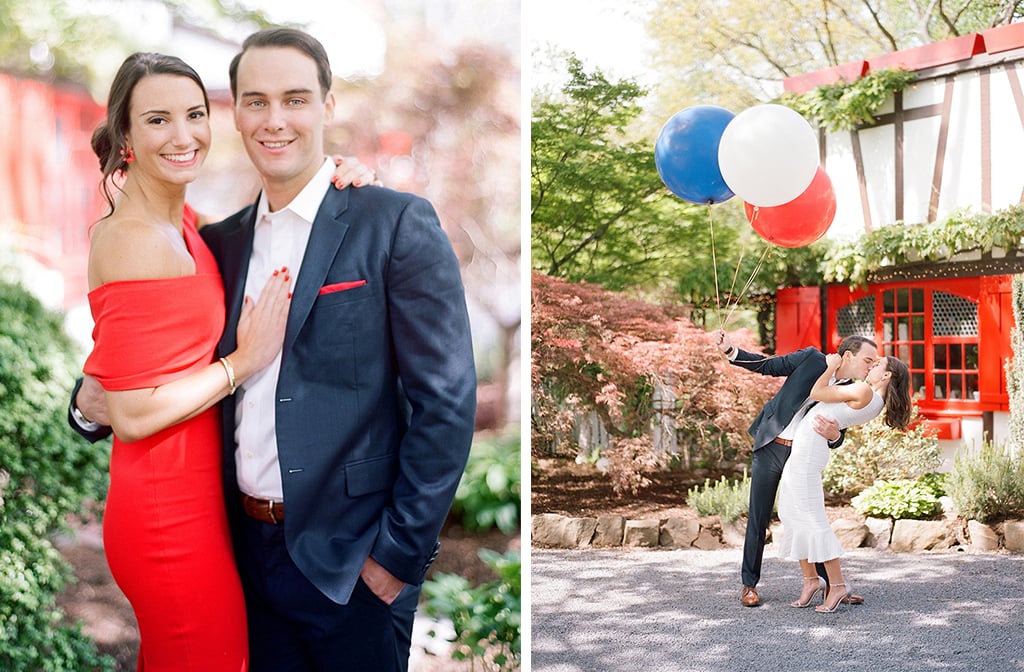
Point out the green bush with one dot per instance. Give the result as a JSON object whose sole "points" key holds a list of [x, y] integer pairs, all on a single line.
{"points": [[727, 499], [46, 474], [489, 492], [875, 452], [987, 485], [488, 618], [897, 499]]}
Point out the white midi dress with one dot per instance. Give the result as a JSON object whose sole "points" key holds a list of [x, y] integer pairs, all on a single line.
{"points": [[806, 533]]}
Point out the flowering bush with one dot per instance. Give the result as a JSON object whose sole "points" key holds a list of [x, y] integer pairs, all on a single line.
{"points": [[600, 351]]}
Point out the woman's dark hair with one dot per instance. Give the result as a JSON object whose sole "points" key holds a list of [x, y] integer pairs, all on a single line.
{"points": [[108, 140], [285, 37], [898, 403]]}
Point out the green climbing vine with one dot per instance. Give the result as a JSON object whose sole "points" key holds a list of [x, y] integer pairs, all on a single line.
{"points": [[844, 106]]}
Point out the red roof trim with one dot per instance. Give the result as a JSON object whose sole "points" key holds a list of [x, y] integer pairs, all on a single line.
{"points": [[1004, 38], [847, 72], [918, 58]]}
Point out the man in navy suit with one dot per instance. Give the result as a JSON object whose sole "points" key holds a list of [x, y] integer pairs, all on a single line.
{"points": [[773, 431], [341, 458]]}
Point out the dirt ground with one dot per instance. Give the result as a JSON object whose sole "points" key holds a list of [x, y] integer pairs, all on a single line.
{"points": [[95, 600], [580, 490]]}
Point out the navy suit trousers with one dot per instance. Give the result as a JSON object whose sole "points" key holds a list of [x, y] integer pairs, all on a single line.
{"points": [[293, 627]]}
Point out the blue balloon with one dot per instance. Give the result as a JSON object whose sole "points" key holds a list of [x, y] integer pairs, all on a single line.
{"points": [[686, 154]]}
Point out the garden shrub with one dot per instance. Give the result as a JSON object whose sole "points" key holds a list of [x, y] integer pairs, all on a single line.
{"points": [[601, 351], [725, 498], [900, 499], [876, 452], [987, 485], [489, 492], [46, 474], [487, 618]]}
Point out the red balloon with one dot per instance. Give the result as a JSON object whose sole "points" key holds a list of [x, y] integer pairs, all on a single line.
{"points": [[799, 222]]}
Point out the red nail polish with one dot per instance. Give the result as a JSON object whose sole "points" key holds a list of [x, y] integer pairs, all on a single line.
{"points": [[275, 272], [289, 295], [284, 269]]}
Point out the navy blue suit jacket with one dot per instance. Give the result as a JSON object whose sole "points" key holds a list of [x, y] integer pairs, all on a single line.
{"points": [[801, 369], [377, 390]]}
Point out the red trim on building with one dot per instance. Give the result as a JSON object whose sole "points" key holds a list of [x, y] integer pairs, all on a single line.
{"points": [[847, 72], [1003, 38], [930, 55]]}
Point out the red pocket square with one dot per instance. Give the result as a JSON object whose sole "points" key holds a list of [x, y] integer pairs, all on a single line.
{"points": [[341, 286]]}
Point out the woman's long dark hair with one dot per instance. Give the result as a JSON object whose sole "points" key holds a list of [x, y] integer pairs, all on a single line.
{"points": [[108, 140], [898, 403]]}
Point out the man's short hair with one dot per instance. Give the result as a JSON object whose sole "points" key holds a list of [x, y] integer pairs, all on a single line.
{"points": [[854, 343], [285, 37]]}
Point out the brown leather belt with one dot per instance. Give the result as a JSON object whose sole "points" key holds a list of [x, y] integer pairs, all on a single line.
{"points": [[784, 442], [263, 510]]}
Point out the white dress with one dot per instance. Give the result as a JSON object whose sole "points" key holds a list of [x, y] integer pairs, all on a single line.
{"points": [[806, 533]]}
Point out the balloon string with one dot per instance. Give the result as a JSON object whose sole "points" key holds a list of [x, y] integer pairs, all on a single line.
{"points": [[750, 282], [714, 268]]}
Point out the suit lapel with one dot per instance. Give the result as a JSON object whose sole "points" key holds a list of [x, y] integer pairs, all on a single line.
{"points": [[237, 249], [324, 242]]}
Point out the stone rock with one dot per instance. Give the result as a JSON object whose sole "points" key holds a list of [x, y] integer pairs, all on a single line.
{"points": [[920, 535], [609, 531], [554, 530], [733, 533], [983, 537], [851, 533], [578, 532], [707, 540], [1013, 535], [881, 532], [679, 532], [641, 533], [547, 529]]}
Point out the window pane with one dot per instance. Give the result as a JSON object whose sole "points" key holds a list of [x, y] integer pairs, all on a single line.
{"points": [[902, 300], [956, 356], [939, 351], [917, 356], [887, 330], [972, 387], [917, 384], [917, 301], [917, 327], [940, 386], [887, 301], [971, 356], [955, 386]]}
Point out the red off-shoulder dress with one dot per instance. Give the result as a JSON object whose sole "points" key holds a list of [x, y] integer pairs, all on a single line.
{"points": [[165, 530]]}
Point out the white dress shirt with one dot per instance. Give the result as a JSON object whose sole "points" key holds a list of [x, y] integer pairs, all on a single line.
{"points": [[279, 240]]}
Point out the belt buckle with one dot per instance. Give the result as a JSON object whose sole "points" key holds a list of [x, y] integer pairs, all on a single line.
{"points": [[270, 511]]}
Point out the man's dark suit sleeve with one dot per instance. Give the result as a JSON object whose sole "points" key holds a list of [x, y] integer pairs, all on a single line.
{"points": [[433, 348], [94, 436]]}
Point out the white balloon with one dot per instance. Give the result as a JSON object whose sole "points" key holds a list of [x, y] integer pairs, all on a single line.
{"points": [[768, 155]]}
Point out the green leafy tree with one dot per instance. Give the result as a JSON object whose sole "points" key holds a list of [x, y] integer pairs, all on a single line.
{"points": [[736, 53], [46, 473], [601, 213], [599, 210]]}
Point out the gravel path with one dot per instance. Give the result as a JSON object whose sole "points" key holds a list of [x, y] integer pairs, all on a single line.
{"points": [[679, 611]]}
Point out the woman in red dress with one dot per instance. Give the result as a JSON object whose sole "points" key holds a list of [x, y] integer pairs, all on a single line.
{"points": [[158, 304]]}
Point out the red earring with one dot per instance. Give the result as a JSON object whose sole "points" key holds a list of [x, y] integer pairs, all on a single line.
{"points": [[129, 157]]}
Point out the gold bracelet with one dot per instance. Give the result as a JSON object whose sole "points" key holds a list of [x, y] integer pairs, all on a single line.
{"points": [[230, 370]]}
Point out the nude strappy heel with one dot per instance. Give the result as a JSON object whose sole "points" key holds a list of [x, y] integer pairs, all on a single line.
{"points": [[824, 608], [798, 604]]}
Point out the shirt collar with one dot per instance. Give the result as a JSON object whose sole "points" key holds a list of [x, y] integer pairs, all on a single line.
{"points": [[307, 202]]}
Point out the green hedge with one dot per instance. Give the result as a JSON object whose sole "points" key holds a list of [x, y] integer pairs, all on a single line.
{"points": [[46, 474]]}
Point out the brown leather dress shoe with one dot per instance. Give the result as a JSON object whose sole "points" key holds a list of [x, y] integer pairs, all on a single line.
{"points": [[749, 598]]}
